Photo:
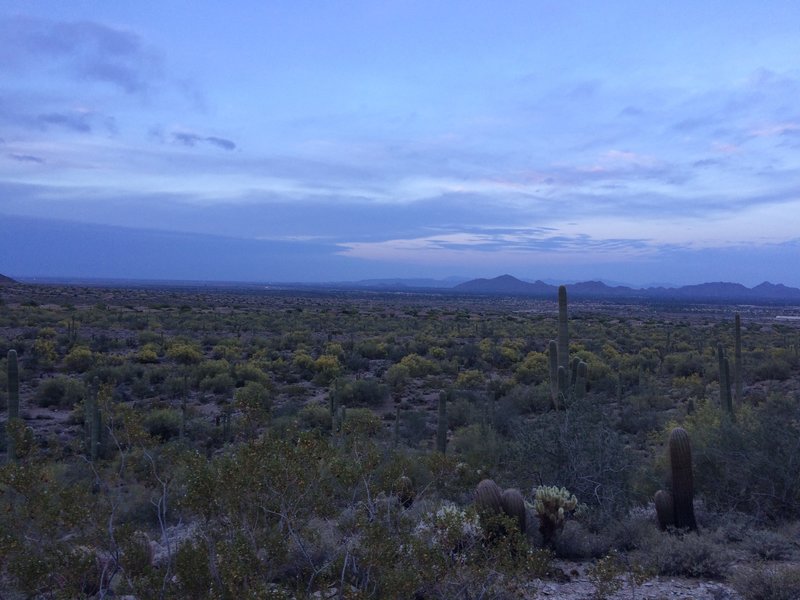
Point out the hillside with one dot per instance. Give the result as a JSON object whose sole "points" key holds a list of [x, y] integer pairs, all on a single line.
{"points": [[6, 280]]}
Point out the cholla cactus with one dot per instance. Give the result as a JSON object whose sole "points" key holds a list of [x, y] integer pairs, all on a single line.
{"points": [[552, 505]]}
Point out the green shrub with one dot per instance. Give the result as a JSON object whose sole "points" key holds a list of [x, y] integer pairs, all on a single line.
{"points": [[184, 353], [218, 384], [163, 423], [747, 465], [79, 359], [361, 392], [61, 392]]}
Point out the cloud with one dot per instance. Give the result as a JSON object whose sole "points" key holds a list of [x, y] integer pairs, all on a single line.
{"points": [[26, 158], [87, 50], [74, 121], [471, 244], [192, 139]]}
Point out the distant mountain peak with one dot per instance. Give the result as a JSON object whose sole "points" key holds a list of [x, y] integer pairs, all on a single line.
{"points": [[718, 290]]}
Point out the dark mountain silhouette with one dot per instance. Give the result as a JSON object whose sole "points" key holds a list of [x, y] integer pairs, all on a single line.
{"points": [[6, 280], [505, 284], [509, 285]]}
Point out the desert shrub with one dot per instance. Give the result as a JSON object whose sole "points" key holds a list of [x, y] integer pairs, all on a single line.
{"points": [[529, 398], [772, 368], [192, 573], [418, 366], [354, 362], [688, 555], [397, 376], [371, 349], [535, 368], [684, 365], [470, 380], [578, 448], [414, 426], [228, 349], [361, 392], [361, 421], [251, 371], [461, 412], [478, 446], [768, 545], [576, 542], [748, 465], [61, 392], [221, 383], [768, 583], [163, 423], [184, 353], [254, 401], [79, 359], [314, 416], [327, 368], [609, 574]]}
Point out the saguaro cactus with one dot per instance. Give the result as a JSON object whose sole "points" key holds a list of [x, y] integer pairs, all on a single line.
{"points": [[678, 509], [13, 405], [724, 381], [563, 329], [552, 350], [737, 358]]}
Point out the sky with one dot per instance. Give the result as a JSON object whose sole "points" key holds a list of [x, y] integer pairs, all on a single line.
{"points": [[638, 142]]}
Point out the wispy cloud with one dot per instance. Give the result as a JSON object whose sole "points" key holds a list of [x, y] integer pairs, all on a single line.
{"points": [[29, 158], [192, 139]]}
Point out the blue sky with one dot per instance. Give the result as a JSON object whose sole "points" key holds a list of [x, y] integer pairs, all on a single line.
{"points": [[309, 141]]}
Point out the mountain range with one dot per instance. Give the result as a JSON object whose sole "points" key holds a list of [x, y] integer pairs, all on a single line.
{"points": [[509, 285]]}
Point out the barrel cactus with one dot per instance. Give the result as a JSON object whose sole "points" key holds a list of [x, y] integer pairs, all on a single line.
{"points": [[665, 509], [488, 498], [513, 505]]}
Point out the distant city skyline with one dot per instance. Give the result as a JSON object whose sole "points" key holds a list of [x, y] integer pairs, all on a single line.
{"points": [[636, 142]]}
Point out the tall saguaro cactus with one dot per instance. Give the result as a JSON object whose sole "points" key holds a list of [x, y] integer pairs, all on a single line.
{"points": [[13, 404], [568, 380], [724, 381], [552, 350], [563, 329], [737, 358]]}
